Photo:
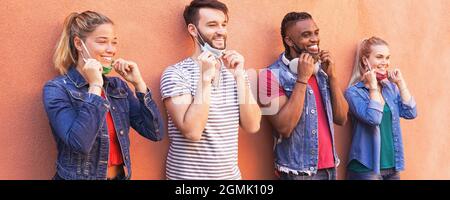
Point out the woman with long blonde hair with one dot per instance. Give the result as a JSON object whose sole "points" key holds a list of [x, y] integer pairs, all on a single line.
{"points": [[377, 97], [91, 113]]}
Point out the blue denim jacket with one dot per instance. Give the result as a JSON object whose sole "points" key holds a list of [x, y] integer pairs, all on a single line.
{"points": [[78, 122], [299, 153], [366, 118]]}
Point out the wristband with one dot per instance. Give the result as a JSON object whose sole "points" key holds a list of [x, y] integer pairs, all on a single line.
{"points": [[97, 85], [299, 81]]}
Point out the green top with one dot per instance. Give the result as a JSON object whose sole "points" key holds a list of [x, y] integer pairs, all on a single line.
{"points": [[387, 159]]}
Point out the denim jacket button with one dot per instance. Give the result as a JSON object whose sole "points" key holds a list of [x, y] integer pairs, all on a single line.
{"points": [[314, 132], [121, 132], [310, 91], [114, 108], [313, 111], [311, 168]]}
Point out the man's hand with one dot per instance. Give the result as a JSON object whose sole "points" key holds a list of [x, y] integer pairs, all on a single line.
{"points": [[208, 66], [305, 67], [234, 62], [327, 63]]}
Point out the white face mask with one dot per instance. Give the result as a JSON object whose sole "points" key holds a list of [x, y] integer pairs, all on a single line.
{"points": [[206, 47], [293, 64]]}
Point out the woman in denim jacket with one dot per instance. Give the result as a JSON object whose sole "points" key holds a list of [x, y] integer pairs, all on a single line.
{"points": [[90, 114], [377, 98]]}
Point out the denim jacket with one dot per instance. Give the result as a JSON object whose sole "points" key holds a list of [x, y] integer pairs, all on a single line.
{"points": [[299, 153], [366, 119], [78, 122]]}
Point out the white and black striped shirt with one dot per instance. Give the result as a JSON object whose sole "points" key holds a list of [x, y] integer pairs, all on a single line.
{"points": [[215, 156]]}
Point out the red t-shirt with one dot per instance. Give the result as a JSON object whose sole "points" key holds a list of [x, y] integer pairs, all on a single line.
{"points": [[115, 154], [326, 158], [268, 91]]}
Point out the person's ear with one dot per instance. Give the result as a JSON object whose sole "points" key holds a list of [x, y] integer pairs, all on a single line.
{"points": [[192, 30], [365, 61], [289, 41], [77, 44]]}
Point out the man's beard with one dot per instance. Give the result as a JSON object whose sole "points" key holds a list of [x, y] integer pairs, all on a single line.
{"points": [[204, 39]]}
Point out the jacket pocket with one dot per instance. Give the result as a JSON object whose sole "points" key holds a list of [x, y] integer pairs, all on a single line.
{"points": [[120, 106], [119, 96], [78, 98]]}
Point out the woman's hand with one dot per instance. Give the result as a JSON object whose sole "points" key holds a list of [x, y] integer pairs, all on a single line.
{"points": [[92, 71], [130, 72], [370, 79], [396, 76]]}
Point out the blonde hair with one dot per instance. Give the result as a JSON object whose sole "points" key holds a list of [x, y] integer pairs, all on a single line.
{"points": [[363, 50], [75, 25]]}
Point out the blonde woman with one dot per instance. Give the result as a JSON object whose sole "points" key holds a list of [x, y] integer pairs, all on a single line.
{"points": [[90, 113], [377, 97]]}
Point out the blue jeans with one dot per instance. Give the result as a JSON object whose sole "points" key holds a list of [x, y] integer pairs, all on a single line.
{"points": [[322, 174], [386, 174]]}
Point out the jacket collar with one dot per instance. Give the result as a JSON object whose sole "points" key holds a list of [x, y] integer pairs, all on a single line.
{"points": [[74, 75], [361, 84], [284, 59]]}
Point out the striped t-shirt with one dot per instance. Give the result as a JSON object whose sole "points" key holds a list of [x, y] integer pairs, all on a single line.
{"points": [[215, 156]]}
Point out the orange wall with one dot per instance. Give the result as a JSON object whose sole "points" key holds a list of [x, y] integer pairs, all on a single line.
{"points": [[152, 33]]}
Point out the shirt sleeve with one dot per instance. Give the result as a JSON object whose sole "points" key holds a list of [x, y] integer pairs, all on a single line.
{"points": [[364, 109], [407, 109], [174, 83]]}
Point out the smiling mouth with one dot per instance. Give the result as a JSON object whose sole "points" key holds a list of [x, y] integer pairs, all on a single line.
{"points": [[381, 70], [221, 40], [313, 48], [218, 43], [107, 58]]}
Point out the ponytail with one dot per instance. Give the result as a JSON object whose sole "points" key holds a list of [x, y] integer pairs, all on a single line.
{"points": [[63, 56]]}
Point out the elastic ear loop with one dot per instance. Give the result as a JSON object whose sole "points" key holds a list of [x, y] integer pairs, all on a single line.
{"points": [[199, 36], [85, 48], [368, 64]]}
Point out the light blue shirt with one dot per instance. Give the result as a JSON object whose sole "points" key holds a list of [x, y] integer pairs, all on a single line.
{"points": [[366, 118]]}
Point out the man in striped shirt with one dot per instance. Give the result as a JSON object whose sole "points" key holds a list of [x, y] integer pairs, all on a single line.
{"points": [[207, 97]]}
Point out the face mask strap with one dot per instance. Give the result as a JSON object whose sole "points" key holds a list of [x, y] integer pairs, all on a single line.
{"points": [[297, 49], [368, 64], [85, 48], [200, 39]]}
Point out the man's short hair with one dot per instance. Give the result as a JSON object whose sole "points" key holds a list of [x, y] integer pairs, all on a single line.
{"points": [[289, 20], [191, 11]]}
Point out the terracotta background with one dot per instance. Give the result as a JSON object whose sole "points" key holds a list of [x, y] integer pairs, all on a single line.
{"points": [[152, 33]]}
